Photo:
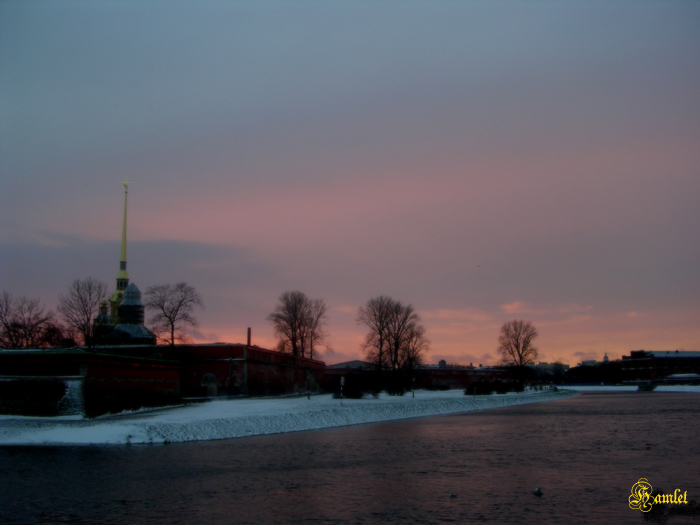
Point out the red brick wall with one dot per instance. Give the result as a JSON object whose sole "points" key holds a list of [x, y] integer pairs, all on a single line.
{"points": [[239, 369], [111, 383]]}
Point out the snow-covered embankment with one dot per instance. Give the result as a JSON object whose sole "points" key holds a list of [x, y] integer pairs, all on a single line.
{"points": [[248, 417]]}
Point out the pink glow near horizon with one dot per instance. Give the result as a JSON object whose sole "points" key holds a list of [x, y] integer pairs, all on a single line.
{"points": [[471, 337], [481, 161]]}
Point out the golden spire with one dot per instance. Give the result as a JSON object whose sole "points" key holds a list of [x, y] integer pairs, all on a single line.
{"points": [[122, 275], [122, 260]]}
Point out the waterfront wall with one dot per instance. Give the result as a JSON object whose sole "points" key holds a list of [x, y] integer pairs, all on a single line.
{"points": [[117, 378], [68, 382]]}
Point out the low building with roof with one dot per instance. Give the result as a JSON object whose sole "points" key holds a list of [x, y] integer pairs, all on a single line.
{"points": [[656, 365]]}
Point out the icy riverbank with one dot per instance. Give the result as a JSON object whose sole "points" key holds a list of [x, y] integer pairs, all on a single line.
{"points": [[224, 419], [629, 388]]}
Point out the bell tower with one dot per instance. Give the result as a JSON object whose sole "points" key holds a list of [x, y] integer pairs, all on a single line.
{"points": [[122, 275]]}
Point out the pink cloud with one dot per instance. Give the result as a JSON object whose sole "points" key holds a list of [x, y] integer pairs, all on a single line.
{"points": [[515, 307]]}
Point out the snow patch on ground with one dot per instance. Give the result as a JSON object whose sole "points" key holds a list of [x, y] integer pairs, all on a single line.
{"points": [[225, 419], [630, 388], [599, 388]]}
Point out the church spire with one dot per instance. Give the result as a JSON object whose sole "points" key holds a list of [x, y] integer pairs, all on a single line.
{"points": [[122, 275]]}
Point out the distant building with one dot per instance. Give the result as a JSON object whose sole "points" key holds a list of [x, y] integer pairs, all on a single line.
{"points": [[656, 365], [682, 379], [550, 368], [444, 376], [351, 365], [364, 376], [593, 362]]}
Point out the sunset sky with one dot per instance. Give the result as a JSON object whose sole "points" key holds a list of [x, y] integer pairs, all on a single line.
{"points": [[482, 161]]}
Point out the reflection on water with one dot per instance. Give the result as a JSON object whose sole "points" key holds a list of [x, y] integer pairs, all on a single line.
{"points": [[584, 452]]}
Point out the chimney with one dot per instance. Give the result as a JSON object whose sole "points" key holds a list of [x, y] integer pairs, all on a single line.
{"points": [[249, 336]]}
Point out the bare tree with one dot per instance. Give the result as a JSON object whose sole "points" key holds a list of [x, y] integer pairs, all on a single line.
{"points": [[516, 342], [402, 323], [7, 338], [24, 322], [56, 334], [299, 324], [414, 349], [174, 307], [287, 320], [80, 306], [376, 316], [396, 339], [313, 330]]}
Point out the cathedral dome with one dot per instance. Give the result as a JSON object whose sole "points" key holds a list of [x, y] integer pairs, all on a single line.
{"points": [[131, 310], [132, 296], [130, 329]]}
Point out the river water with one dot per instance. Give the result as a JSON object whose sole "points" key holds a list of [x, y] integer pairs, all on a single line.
{"points": [[585, 453]]}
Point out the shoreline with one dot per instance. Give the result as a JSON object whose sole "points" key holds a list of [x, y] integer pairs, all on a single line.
{"points": [[229, 419]]}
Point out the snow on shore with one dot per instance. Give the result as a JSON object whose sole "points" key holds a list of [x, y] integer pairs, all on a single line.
{"points": [[224, 419], [630, 388]]}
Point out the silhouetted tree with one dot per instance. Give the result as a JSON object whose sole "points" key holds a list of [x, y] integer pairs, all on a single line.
{"points": [[313, 331], [376, 316], [24, 322], [415, 347], [403, 321], [80, 306], [173, 307], [56, 334], [299, 323], [396, 339], [516, 342]]}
